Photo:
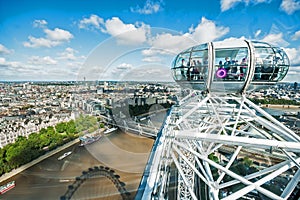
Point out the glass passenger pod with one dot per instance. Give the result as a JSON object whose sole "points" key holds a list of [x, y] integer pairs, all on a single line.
{"points": [[190, 67], [271, 63], [227, 68]]}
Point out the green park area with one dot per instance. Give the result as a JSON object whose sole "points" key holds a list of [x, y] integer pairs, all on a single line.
{"points": [[274, 101], [24, 150]]}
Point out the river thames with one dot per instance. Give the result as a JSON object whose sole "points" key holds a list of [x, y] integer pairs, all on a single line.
{"points": [[125, 153]]}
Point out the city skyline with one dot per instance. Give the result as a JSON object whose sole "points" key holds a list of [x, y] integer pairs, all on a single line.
{"points": [[132, 40]]}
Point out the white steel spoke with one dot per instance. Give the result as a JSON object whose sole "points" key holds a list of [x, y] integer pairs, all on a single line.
{"points": [[192, 166], [182, 174], [233, 157], [291, 186]]}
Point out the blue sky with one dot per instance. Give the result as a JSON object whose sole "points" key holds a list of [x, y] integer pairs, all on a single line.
{"points": [[125, 40]]}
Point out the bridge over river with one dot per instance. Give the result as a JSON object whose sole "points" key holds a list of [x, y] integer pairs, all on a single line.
{"points": [[147, 124]]}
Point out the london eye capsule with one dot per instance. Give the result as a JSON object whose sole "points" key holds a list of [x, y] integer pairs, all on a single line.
{"points": [[232, 66]]}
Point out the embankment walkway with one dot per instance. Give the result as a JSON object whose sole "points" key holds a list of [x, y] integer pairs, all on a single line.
{"points": [[39, 159]]}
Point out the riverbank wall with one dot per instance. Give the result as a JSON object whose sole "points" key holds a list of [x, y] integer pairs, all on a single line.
{"points": [[279, 106], [39, 159]]}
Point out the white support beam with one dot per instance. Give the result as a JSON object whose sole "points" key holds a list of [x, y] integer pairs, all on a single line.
{"points": [[240, 141], [233, 157], [192, 110], [284, 129], [193, 167], [243, 180], [291, 185], [256, 174], [188, 185]]}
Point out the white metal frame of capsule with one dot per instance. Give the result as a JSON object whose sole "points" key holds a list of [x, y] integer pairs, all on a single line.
{"points": [[250, 65]]}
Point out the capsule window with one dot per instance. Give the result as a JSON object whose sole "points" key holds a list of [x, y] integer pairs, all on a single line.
{"points": [[180, 68], [271, 64], [191, 66], [198, 70], [231, 64]]}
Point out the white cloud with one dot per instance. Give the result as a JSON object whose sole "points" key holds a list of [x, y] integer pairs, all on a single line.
{"points": [[152, 59], [124, 66], [58, 34], [275, 39], [68, 54], [127, 33], [74, 65], [205, 31], [290, 6], [115, 26], [293, 55], [153, 51], [4, 50], [119, 70], [149, 7], [228, 4], [9, 64], [33, 70], [293, 73], [139, 33], [165, 45], [47, 60], [93, 21], [39, 23], [92, 72], [40, 42], [294, 70], [296, 36], [53, 38], [174, 44], [2, 61], [292, 76], [150, 72]]}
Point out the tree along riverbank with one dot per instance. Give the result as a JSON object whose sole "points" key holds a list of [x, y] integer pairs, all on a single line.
{"points": [[279, 103], [25, 150], [39, 159]]}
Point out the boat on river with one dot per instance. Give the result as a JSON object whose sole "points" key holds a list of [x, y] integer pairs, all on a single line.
{"points": [[110, 130], [8, 186], [64, 155], [85, 140]]}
